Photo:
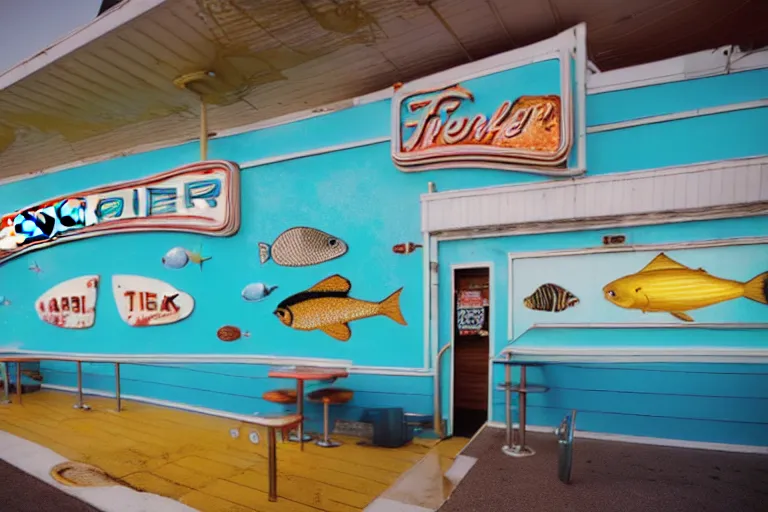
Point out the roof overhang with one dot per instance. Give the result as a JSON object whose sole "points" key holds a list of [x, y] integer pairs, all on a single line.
{"points": [[109, 86]]}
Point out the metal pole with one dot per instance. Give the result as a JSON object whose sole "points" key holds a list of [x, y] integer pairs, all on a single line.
{"points": [[325, 421], [523, 394], [203, 130], [18, 381], [300, 411], [79, 386], [508, 399], [437, 420], [117, 386], [272, 463]]}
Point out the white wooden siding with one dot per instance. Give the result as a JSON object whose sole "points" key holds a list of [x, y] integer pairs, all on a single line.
{"points": [[698, 190]]}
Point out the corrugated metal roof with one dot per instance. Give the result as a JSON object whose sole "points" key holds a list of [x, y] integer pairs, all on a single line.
{"points": [[109, 86]]}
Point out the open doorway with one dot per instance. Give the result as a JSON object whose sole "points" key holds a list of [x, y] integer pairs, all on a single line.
{"points": [[470, 349]]}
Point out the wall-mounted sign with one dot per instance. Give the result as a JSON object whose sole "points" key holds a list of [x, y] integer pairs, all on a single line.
{"points": [[199, 198], [71, 304], [143, 301], [515, 114]]}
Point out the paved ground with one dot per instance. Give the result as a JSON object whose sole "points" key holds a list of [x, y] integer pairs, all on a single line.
{"points": [[609, 476], [20, 492]]}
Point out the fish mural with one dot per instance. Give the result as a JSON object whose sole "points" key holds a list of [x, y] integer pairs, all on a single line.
{"points": [[302, 247], [256, 292], [550, 297], [4, 301], [34, 267], [328, 307], [178, 257], [230, 333], [666, 286], [405, 248]]}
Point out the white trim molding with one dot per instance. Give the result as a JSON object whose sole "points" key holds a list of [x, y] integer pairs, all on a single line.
{"points": [[722, 189], [714, 62], [676, 116], [655, 441], [668, 246]]}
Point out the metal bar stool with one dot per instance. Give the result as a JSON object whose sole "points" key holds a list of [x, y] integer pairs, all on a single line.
{"points": [[515, 444], [283, 397], [328, 396]]}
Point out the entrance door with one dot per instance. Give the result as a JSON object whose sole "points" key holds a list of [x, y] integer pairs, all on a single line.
{"points": [[470, 350]]}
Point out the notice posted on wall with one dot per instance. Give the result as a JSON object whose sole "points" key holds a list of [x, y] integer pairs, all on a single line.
{"points": [[470, 313]]}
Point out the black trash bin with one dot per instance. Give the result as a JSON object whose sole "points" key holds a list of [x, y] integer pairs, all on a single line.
{"points": [[389, 427]]}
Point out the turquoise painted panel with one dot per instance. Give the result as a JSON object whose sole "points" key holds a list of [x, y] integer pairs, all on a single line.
{"points": [[700, 139], [360, 123], [639, 399], [238, 388], [586, 275], [344, 197], [669, 98]]}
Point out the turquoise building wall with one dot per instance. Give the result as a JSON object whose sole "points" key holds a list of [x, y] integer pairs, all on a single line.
{"points": [[358, 195]]}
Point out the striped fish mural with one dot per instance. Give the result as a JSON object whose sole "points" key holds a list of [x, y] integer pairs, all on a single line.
{"points": [[550, 297]]}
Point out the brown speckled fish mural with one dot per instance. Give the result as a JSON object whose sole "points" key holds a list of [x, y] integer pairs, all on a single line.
{"points": [[328, 307], [301, 247]]}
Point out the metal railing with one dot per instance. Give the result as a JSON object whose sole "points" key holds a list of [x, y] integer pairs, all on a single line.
{"points": [[271, 423]]}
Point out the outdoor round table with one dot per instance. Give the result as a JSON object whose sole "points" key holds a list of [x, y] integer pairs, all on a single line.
{"points": [[301, 374]]}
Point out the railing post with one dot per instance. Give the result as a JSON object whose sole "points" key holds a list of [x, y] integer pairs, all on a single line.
{"points": [[117, 386], [508, 400], [272, 462], [18, 380], [80, 404]]}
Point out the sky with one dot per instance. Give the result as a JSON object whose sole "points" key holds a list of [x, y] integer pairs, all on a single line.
{"points": [[28, 26]]}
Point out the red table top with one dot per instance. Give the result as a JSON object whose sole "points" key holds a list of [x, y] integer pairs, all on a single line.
{"points": [[307, 373]]}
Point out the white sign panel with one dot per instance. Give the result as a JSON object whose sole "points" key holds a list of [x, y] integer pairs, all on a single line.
{"points": [[143, 301], [71, 304]]}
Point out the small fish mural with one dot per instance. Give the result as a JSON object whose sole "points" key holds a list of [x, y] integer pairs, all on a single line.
{"points": [[230, 333], [34, 267], [4, 301], [302, 247], [550, 297], [328, 307], [405, 248], [256, 292], [178, 257], [666, 286]]}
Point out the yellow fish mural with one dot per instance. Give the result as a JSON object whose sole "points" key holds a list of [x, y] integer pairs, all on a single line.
{"points": [[666, 286], [328, 307]]}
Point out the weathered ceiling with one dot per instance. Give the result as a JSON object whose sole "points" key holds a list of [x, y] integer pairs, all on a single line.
{"points": [[271, 58]]}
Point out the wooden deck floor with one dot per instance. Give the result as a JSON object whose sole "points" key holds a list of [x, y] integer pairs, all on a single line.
{"points": [[192, 457]]}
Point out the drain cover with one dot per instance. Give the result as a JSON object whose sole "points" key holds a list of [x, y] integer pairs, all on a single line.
{"points": [[78, 474]]}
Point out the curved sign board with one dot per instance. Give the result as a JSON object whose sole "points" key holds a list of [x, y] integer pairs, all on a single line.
{"points": [[513, 111], [143, 301], [71, 304], [199, 198]]}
